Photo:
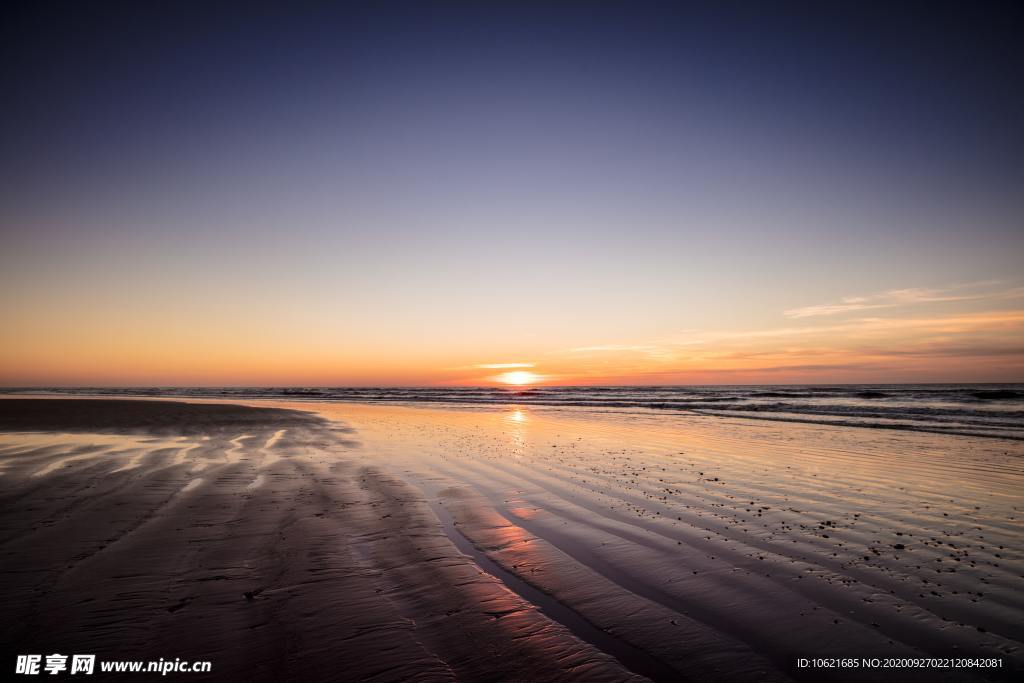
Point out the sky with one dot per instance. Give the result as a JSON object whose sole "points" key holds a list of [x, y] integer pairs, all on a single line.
{"points": [[442, 193]]}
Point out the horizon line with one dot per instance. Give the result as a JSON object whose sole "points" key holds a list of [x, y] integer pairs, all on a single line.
{"points": [[6, 388]]}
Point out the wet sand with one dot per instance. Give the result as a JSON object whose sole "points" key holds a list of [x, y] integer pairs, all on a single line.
{"points": [[347, 542]]}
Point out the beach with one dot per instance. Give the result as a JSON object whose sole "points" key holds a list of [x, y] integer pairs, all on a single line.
{"points": [[512, 342], [347, 541]]}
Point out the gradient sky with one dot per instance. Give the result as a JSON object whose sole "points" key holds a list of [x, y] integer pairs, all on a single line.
{"points": [[408, 193]]}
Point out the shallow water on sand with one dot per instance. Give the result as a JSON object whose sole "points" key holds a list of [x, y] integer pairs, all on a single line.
{"points": [[766, 540]]}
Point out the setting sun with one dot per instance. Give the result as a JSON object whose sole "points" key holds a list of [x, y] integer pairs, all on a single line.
{"points": [[518, 378]]}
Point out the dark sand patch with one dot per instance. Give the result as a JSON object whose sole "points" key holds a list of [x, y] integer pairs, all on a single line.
{"points": [[136, 416]]}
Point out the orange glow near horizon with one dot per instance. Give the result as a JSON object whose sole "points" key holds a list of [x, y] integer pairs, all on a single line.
{"points": [[960, 334]]}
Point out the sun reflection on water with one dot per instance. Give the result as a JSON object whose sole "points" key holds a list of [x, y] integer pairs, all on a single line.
{"points": [[516, 420]]}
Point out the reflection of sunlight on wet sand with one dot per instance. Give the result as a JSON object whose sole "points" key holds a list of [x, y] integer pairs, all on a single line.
{"points": [[57, 464], [516, 421], [270, 456], [523, 512], [231, 454], [182, 455], [79, 447], [134, 462], [274, 438], [508, 536], [705, 471], [124, 452]]}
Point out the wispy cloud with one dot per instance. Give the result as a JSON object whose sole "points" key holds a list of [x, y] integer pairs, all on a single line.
{"points": [[907, 297], [850, 348]]}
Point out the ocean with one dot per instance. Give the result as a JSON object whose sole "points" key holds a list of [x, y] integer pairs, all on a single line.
{"points": [[988, 410]]}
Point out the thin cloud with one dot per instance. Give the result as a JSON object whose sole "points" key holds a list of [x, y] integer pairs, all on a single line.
{"points": [[848, 346], [894, 298], [905, 297]]}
